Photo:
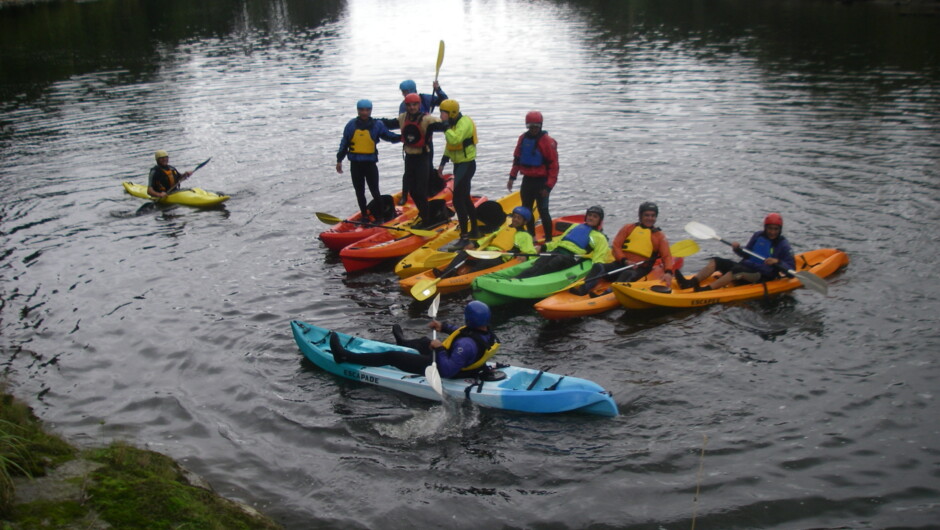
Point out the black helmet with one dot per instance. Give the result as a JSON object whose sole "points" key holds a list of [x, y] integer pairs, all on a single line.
{"points": [[596, 209], [649, 207]]}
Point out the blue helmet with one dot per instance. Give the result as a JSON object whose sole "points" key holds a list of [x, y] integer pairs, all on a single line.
{"points": [[408, 86], [524, 212], [364, 104], [476, 314]]}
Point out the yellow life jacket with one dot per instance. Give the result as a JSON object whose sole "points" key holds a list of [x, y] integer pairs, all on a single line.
{"points": [[361, 142], [639, 242], [479, 362], [473, 140]]}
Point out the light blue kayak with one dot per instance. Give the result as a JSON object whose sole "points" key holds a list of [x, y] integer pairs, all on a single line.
{"points": [[523, 389]]}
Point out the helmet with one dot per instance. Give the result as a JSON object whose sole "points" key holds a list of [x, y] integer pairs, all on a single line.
{"points": [[649, 207], [160, 154], [533, 116], [413, 98], [524, 212], [596, 209], [408, 86], [364, 104], [476, 314], [774, 219], [450, 106]]}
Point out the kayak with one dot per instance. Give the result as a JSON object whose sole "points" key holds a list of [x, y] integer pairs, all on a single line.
{"points": [[388, 244], [522, 389], [503, 287], [190, 197], [343, 234], [417, 261], [465, 276], [640, 295], [564, 304]]}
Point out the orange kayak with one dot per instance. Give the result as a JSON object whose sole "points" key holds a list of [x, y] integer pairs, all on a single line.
{"points": [[344, 233], [601, 299], [639, 295]]}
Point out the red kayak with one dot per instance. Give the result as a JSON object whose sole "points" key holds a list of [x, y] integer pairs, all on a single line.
{"points": [[389, 244], [346, 233]]}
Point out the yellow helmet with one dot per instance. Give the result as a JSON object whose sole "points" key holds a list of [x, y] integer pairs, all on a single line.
{"points": [[160, 154], [450, 106]]}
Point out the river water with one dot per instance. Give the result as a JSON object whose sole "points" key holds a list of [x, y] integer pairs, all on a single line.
{"points": [[169, 327]]}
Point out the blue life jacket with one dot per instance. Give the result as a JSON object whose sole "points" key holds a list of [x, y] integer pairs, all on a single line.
{"points": [[530, 154], [580, 236]]}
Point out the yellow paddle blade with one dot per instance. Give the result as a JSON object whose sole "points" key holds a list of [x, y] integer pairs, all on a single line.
{"points": [[485, 254], [684, 248], [439, 258], [424, 289], [440, 59], [327, 218], [421, 233]]}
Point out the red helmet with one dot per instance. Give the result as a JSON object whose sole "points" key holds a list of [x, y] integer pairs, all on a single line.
{"points": [[413, 98], [774, 219], [533, 116]]}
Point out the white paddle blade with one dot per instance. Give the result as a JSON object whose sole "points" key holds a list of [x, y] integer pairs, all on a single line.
{"points": [[434, 379], [700, 231], [485, 254], [813, 282]]}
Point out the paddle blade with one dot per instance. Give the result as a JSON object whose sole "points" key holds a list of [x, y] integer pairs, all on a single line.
{"points": [[422, 233], [813, 282], [440, 59], [439, 258], [684, 248], [202, 164], [700, 231], [434, 379], [432, 311], [327, 218], [424, 289], [485, 254]]}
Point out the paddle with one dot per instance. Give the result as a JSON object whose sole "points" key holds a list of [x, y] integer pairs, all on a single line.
{"points": [[431, 373], [332, 220], [808, 279], [437, 71], [679, 249], [177, 187], [424, 289], [491, 254]]}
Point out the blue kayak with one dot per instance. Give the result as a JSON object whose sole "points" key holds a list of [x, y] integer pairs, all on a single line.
{"points": [[522, 389]]}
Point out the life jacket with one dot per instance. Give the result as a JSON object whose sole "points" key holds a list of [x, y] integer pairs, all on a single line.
{"points": [[472, 140], [170, 173], [762, 247], [530, 155], [580, 236], [640, 241], [412, 133], [486, 345], [362, 142]]}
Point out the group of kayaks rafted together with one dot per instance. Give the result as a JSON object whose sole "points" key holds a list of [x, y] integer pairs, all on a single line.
{"points": [[505, 250]]}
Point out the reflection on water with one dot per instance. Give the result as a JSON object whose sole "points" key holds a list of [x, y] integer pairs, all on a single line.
{"points": [[168, 326]]}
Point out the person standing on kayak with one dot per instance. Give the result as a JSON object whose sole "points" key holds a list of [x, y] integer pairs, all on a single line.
{"points": [[509, 238], [767, 242], [164, 178], [461, 136], [416, 132], [428, 101], [462, 353], [360, 145], [536, 157], [638, 244], [578, 241]]}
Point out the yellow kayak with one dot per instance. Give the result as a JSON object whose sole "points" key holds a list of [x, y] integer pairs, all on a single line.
{"points": [[641, 295], [190, 197]]}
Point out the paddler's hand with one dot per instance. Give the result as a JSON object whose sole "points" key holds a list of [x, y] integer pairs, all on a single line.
{"points": [[735, 245], [186, 175], [339, 167], [771, 261], [436, 85], [510, 182], [435, 344], [435, 325]]}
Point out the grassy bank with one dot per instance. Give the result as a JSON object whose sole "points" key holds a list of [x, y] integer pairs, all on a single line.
{"points": [[47, 483]]}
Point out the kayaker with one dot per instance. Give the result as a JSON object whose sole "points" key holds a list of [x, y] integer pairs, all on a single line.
{"points": [[461, 136], [768, 242], [577, 241], [638, 244], [416, 132], [509, 238], [428, 101], [360, 145], [536, 157], [164, 178], [465, 349]]}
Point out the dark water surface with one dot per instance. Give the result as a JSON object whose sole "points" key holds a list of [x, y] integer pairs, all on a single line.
{"points": [[170, 328]]}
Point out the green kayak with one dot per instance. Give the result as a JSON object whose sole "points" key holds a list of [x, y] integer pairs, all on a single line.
{"points": [[190, 197], [502, 286]]}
